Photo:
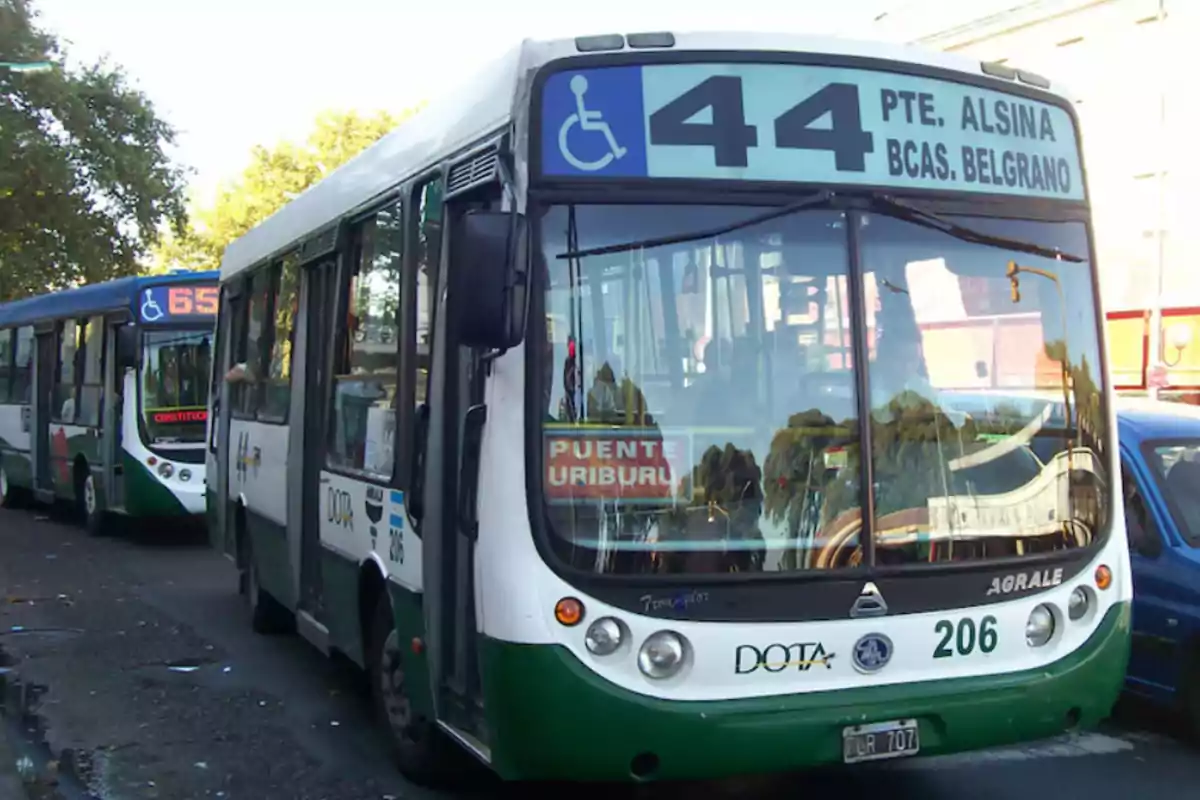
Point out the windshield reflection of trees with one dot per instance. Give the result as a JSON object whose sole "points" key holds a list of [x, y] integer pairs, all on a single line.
{"points": [[987, 428]]}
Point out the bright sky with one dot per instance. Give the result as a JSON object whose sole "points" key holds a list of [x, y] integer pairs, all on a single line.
{"points": [[230, 74]]}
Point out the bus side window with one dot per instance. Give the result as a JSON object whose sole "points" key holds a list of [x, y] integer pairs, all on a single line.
{"points": [[249, 346], [63, 410], [362, 434], [277, 385], [234, 370], [7, 373], [429, 249], [22, 387], [91, 373], [427, 240]]}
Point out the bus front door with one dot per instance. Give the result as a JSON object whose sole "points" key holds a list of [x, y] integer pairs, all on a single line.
{"points": [[220, 532], [115, 414], [451, 467], [43, 393], [319, 312]]}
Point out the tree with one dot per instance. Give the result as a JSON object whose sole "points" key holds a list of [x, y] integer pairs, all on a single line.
{"points": [[274, 177], [85, 184], [797, 476]]}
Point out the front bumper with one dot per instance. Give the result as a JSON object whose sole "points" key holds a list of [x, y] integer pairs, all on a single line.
{"points": [[552, 718]]}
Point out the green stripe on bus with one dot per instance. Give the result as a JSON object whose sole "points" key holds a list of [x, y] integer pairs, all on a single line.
{"points": [[145, 495], [550, 717]]}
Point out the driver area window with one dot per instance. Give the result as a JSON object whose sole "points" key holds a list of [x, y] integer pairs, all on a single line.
{"points": [[366, 389]]}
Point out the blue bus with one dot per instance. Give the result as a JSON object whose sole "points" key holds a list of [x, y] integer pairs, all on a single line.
{"points": [[103, 393]]}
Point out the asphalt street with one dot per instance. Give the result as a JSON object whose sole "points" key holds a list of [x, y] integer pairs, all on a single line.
{"points": [[129, 671]]}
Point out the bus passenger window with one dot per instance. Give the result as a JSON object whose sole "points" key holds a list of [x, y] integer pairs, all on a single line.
{"points": [[429, 248], [63, 409], [23, 366], [6, 367], [245, 388], [362, 435], [277, 395], [92, 375]]}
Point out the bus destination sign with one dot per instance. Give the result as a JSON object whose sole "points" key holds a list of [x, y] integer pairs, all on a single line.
{"points": [[620, 465], [805, 123], [186, 303], [178, 416]]}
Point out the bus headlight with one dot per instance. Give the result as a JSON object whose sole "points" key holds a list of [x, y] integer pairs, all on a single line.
{"points": [[603, 636], [1040, 626], [661, 655], [166, 470], [185, 475], [1077, 605]]}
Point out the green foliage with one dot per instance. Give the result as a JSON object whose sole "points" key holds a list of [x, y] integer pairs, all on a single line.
{"points": [[85, 184], [912, 439], [274, 177], [796, 474]]}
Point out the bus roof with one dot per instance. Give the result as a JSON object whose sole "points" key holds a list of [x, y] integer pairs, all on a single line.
{"points": [[94, 298], [485, 104]]}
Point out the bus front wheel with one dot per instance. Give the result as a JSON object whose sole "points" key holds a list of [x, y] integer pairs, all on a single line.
{"points": [[91, 507], [9, 494], [423, 753]]}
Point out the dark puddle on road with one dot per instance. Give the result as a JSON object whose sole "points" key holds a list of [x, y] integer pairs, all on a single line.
{"points": [[46, 777]]}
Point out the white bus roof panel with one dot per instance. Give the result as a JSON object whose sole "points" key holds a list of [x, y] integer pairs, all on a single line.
{"points": [[486, 103]]}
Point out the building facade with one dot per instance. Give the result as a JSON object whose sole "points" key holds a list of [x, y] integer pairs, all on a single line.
{"points": [[1126, 62]]}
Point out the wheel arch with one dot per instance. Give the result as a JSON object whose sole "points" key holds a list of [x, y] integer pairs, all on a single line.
{"points": [[241, 533], [80, 469]]}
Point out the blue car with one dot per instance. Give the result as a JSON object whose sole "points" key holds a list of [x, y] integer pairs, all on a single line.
{"points": [[1160, 465]]}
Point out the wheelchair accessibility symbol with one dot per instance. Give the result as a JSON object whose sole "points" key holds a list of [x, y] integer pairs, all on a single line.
{"points": [[591, 122], [151, 310]]}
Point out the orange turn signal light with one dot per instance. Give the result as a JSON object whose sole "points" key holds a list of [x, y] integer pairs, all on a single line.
{"points": [[1103, 577], [568, 611]]}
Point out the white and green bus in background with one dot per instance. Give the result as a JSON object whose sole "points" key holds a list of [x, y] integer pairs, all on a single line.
{"points": [[103, 397], [589, 411]]}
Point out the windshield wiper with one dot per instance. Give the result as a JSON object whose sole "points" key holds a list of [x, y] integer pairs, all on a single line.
{"points": [[812, 201], [880, 203], [890, 206]]}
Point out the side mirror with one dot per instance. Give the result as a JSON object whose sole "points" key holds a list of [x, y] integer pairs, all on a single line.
{"points": [[127, 349], [489, 278]]}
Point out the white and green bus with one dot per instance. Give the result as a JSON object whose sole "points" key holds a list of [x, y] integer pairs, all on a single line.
{"points": [[103, 397], [593, 413]]}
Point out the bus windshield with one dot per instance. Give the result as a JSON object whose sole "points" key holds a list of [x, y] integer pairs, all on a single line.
{"points": [[175, 376], [700, 408]]}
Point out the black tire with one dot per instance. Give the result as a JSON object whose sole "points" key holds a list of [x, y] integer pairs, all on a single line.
{"points": [[89, 504], [425, 755], [10, 496], [1188, 693], [267, 615]]}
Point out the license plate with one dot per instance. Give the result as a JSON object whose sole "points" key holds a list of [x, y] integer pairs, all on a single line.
{"points": [[880, 740]]}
